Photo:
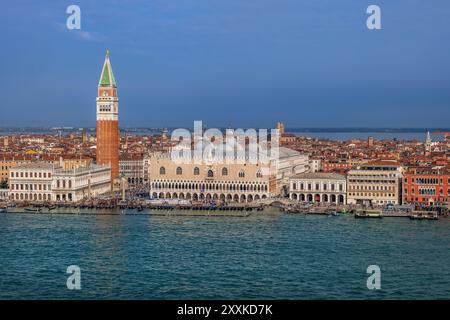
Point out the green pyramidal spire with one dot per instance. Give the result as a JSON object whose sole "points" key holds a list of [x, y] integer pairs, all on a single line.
{"points": [[107, 77]]}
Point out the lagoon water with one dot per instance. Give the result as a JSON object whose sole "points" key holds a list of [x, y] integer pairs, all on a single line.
{"points": [[264, 256]]}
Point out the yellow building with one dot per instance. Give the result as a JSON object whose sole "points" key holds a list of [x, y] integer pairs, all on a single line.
{"points": [[71, 164], [375, 183], [8, 162]]}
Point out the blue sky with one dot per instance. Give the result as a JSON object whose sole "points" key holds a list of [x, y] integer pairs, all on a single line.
{"points": [[242, 63]]}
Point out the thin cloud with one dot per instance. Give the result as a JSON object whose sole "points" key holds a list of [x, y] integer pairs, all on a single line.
{"points": [[89, 36], [82, 34]]}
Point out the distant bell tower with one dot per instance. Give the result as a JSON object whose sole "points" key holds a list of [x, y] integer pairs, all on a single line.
{"points": [[84, 137], [280, 127], [108, 120], [428, 142]]}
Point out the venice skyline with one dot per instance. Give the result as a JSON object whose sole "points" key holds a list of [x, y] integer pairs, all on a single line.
{"points": [[241, 150]]}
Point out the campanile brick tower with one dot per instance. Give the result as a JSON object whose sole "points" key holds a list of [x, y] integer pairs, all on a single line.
{"points": [[108, 120]]}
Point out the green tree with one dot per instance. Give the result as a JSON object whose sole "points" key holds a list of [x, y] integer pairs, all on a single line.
{"points": [[3, 184]]}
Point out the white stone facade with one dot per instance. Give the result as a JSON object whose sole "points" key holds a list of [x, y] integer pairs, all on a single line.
{"points": [[4, 194], [325, 188], [76, 184], [134, 169], [44, 182], [246, 181], [31, 182]]}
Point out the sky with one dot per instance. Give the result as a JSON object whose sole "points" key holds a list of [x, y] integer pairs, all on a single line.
{"points": [[238, 63]]}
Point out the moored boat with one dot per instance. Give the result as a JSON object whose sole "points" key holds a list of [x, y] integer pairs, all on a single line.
{"points": [[369, 214], [424, 216]]}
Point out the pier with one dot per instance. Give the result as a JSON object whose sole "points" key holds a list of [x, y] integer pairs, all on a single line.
{"points": [[137, 207], [115, 205]]}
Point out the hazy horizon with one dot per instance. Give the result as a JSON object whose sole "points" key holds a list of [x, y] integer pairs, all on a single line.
{"points": [[299, 129]]}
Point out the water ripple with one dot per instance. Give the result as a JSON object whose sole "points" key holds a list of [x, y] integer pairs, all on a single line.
{"points": [[259, 257]]}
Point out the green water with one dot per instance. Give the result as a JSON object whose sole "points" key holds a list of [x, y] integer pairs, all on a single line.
{"points": [[264, 256]]}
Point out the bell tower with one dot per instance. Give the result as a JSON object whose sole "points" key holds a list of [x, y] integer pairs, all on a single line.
{"points": [[108, 120]]}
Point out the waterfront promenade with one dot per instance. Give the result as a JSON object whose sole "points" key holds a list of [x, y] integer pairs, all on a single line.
{"points": [[113, 206]]}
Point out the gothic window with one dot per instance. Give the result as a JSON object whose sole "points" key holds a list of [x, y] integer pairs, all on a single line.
{"points": [[241, 174], [179, 171], [162, 170], [196, 171], [259, 174], [210, 173], [224, 171]]}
